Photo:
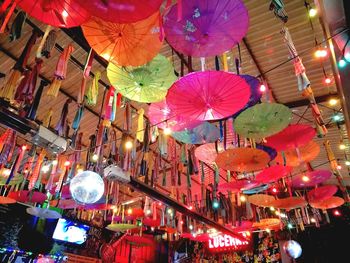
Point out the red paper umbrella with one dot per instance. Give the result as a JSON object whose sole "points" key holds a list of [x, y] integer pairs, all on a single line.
{"points": [[132, 44], [273, 173], [136, 212], [194, 237], [64, 203], [295, 157], [321, 193], [311, 178], [97, 207], [295, 135], [208, 95], [6, 200], [244, 225], [65, 193], [151, 222], [160, 115], [261, 200], [208, 152], [242, 159], [289, 203], [27, 196], [121, 11], [139, 241], [267, 223], [207, 27], [329, 203], [58, 13], [238, 185]]}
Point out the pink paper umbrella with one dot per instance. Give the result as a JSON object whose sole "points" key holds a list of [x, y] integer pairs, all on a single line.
{"points": [[295, 135], [273, 173], [58, 13], [311, 179], [160, 115], [208, 95], [239, 185], [27, 196], [121, 11], [321, 193], [207, 27], [208, 152]]}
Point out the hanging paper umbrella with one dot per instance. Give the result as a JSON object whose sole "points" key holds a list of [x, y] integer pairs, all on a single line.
{"points": [[321, 193], [203, 133], [311, 178], [120, 227], [328, 203], [262, 120], [151, 222], [132, 44], [64, 203], [209, 95], [270, 151], [160, 115], [139, 240], [273, 173], [295, 135], [289, 203], [255, 95], [295, 157], [147, 83], [237, 186], [57, 13], [261, 200], [242, 159], [121, 11], [267, 223], [43, 213], [27, 196], [208, 152], [243, 225], [6, 200], [256, 190], [206, 27]]}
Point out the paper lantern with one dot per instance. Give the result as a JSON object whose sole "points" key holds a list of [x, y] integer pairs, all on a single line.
{"points": [[87, 187], [292, 248]]}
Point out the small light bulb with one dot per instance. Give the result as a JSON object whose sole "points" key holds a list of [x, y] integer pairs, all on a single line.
{"points": [[190, 227], [339, 167], [313, 220], [312, 12], [45, 168], [216, 204], [277, 213], [347, 163], [262, 88], [148, 211], [94, 158], [305, 178], [268, 230], [128, 144], [64, 13], [336, 213], [54, 162], [341, 63], [274, 190], [181, 222], [327, 80], [167, 131], [243, 198], [24, 147], [129, 211], [333, 102], [190, 207], [272, 208], [6, 172], [289, 225], [321, 53], [66, 163], [336, 117], [170, 211], [342, 146]]}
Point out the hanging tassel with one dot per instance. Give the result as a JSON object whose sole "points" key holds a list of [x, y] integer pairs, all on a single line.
{"points": [[36, 169], [88, 63], [81, 93], [17, 25], [62, 63], [164, 177], [8, 15], [17, 163], [42, 42], [47, 119], [7, 147], [49, 44], [4, 138], [8, 90], [224, 60], [62, 121], [154, 133], [221, 124], [128, 123], [92, 93], [202, 63], [146, 138], [78, 117], [119, 100], [140, 127], [163, 144], [217, 63], [31, 114]]}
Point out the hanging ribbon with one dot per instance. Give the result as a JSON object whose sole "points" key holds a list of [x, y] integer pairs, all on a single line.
{"points": [[88, 63], [17, 163], [140, 127], [77, 118], [49, 44], [47, 118], [163, 144], [7, 146], [36, 169], [54, 87], [49, 184], [42, 42], [146, 138], [17, 25], [92, 93], [127, 117], [8, 15], [277, 6], [217, 63], [202, 63], [154, 133], [62, 63], [224, 61], [61, 124]]}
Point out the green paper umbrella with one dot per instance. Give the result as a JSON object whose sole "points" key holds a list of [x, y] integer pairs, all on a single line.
{"points": [[147, 83], [120, 227], [263, 120]]}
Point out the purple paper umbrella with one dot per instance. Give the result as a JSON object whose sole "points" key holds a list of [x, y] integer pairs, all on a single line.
{"points": [[206, 27]]}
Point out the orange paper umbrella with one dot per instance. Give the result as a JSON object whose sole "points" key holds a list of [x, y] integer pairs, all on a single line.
{"points": [[329, 203], [273, 173], [289, 202], [132, 44], [261, 200], [322, 193], [6, 200], [267, 223], [295, 157], [242, 159]]}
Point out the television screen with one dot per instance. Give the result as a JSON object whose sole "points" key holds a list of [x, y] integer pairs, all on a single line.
{"points": [[70, 231]]}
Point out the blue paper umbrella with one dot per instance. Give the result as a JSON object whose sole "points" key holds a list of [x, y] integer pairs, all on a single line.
{"points": [[203, 133]]}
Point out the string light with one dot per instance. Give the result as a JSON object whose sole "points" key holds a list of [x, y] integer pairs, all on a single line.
{"points": [[94, 158], [333, 102], [336, 213], [24, 147], [313, 220], [342, 146], [45, 168], [274, 190], [262, 88], [272, 208], [289, 225], [268, 230], [339, 167], [67, 163], [336, 117], [170, 211], [6, 172], [305, 178], [243, 198], [216, 204], [347, 163], [190, 207], [190, 227], [341, 63], [129, 211], [128, 144], [167, 131], [148, 211], [312, 12], [80, 170], [321, 53], [327, 80]]}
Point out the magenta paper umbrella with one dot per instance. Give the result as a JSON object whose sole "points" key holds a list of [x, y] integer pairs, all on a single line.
{"points": [[311, 179], [121, 11], [322, 193], [295, 135], [208, 95], [160, 115], [27, 196], [207, 27], [273, 173]]}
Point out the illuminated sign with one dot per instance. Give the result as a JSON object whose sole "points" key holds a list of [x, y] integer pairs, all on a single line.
{"points": [[223, 242]]}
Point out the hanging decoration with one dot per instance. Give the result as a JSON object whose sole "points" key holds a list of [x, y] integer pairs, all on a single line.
{"points": [[93, 90], [202, 23], [277, 6], [203, 133], [62, 122], [17, 25], [49, 44]]}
